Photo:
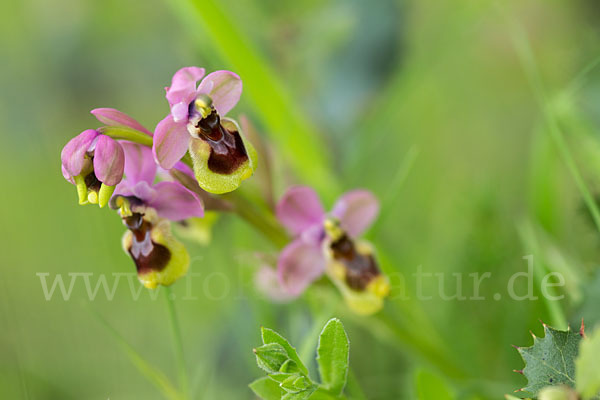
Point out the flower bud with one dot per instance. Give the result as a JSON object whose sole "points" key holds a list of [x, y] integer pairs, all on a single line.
{"points": [[271, 357], [94, 163]]}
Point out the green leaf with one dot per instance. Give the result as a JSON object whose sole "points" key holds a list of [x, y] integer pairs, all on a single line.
{"points": [[322, 394], [280, 376], [295, 383], [587, 371], [270, 336], [431, 387], [551, 359], [266, 389], [271, 357], [289, 366], [332, 356], [302, 395]]}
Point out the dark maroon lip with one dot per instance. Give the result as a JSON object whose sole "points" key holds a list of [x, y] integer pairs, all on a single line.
{"points": [[361, 269], [145, 261], [227, 150]]}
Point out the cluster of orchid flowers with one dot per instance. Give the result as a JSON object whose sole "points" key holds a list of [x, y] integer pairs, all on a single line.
{"points": [[195, 154]]}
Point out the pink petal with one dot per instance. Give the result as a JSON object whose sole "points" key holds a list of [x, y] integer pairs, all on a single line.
{"points": [[183, 85], [112, 117], [299, 264], [171, 141], [142, 190], [299, 209], [165, 174], [224, 88], [139, 163], [73, 154], [173, 201], [67, 176], [123, 189], [109, 161], [356, 211], [180, 111]]}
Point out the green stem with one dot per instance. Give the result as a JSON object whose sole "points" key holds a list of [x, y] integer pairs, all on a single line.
{"points": [[263, 221], [117, 132], [258, 217], [178, 342]]}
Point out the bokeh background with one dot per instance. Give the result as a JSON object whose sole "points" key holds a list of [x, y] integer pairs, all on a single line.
{"points": [[475, 122]]}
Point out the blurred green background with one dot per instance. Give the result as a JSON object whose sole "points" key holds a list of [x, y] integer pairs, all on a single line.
{"points": [[472, 121]]}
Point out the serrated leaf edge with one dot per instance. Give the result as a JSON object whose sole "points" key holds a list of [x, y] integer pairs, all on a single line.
{"points": [[547, 329]]}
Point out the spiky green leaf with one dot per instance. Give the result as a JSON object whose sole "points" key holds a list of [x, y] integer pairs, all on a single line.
{"points": [[551, 359]]}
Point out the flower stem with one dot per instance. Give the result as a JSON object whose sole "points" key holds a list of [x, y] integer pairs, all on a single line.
{"points": [[258, 217], [117, 132], [178, 342]]}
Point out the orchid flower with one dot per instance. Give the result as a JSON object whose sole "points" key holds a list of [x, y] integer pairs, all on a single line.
{"points": [[146, 209], [221, 156], [326, 244], [94, 162]]}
